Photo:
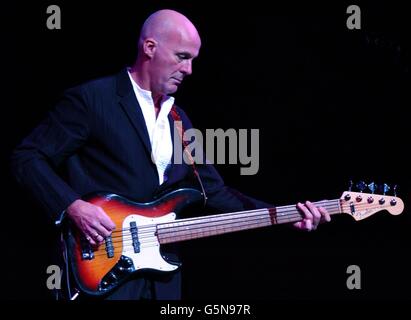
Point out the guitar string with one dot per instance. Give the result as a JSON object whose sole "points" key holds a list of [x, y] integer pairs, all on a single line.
{"points": [[182, 223], [147, 244], [235, 223], [191, 221], [149, 237], [177, 229], [222, 225], [283, 209], [127, 247]]}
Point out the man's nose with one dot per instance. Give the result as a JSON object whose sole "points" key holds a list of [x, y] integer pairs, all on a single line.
{"points": [[187, 68]]}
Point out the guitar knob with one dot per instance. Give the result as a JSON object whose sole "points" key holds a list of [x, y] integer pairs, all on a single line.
{"points": [[381, 201], [347, 197], [359, 198], [370, 199], [104, 285], [126, 262], [393, 202], [112, 276]]}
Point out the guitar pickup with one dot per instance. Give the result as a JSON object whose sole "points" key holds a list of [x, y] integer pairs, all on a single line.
{"points": [[109, 247], [134, 236]]}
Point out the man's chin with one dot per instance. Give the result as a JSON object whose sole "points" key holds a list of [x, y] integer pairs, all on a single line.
{"points": [[172, 89]]}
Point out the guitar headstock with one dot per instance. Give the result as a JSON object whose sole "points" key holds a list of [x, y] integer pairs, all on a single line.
{"points": [[362, 205]]}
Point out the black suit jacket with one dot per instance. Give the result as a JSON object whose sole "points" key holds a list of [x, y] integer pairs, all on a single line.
{"points": [[96, 139]]}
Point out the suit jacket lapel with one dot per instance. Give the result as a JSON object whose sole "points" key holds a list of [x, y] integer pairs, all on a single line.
{"points": [[129, 103]]}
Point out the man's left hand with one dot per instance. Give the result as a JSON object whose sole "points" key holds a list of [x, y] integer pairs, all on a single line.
{"points": [[313, 216]]}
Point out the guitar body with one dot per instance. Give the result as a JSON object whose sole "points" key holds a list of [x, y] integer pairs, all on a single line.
{"points": [[133, 245]]}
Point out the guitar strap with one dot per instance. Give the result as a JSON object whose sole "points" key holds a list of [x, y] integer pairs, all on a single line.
{"points": [[179, 125]]}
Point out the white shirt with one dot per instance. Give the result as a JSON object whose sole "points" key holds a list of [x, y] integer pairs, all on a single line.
{"points": [[158, 129]]}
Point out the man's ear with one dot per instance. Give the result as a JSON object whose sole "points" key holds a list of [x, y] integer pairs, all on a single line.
{"points": [[149, 47]]}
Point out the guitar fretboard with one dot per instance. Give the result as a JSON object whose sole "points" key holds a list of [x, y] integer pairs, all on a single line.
{"points": [[200, 227]]}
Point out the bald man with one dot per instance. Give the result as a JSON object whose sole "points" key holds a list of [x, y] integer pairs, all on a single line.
{"points": [[168, 44], [115, 134]]}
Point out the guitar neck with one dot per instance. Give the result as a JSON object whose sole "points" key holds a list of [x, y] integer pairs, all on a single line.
{"points": [[206, 226]]}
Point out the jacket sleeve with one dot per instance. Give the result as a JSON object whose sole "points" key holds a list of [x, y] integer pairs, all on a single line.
{"points": [[36, 160], [219, 196]]}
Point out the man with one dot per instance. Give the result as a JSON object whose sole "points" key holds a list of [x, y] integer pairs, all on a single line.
{"points": [[105, 134]]}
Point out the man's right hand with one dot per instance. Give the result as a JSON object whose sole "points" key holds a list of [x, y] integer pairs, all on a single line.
{"points": [[92, 221]]}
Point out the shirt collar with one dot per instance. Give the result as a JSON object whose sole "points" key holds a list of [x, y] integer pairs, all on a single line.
{"points": [[146, 94]]}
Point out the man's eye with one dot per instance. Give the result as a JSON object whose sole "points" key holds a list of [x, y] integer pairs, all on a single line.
{"points": [[182, 56]]}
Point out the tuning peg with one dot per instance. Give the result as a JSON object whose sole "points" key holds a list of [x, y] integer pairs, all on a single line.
{"points": [[350, 187], [395, 190], [361, 186], [385, 188], [393, 202], [373, 187]]}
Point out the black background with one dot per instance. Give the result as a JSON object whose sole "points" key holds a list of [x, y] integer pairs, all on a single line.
{"points": [[331, 105]]}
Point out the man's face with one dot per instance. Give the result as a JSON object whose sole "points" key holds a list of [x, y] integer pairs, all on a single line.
{"points": [[172, 61]]}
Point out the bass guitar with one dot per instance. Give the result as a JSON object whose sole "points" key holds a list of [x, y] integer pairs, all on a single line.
{"points": [[142, 228]]}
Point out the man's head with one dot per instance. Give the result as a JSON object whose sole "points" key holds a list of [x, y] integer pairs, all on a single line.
{"points": [[167, 45]]}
